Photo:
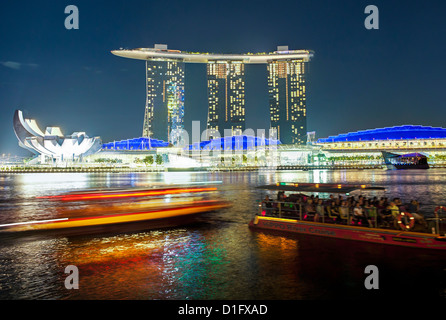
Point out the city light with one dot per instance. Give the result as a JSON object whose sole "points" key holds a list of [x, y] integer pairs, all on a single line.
{"points": [[127, 194]]}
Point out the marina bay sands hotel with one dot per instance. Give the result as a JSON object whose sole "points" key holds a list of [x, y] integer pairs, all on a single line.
{"points": [[164, 110]]}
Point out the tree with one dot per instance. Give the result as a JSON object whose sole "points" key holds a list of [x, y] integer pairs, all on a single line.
{"points": [[148, 160], [159, 159]]}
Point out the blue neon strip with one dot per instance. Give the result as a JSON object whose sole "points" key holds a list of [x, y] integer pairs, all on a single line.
{"points": [[391, 133], [135, 144]]}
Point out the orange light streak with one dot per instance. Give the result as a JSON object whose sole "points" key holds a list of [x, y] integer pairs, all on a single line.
{"points": [[95, 196], [123, 218]]}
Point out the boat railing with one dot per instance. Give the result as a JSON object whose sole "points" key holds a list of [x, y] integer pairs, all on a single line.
{"points": [[322, 213], [438, 221], [293, 210], [281, 209]]}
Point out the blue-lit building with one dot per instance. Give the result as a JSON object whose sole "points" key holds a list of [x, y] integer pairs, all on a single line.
{"points": [[234, 143], [137, 144], [131, 151], [360, 148], [401, 133], [369, 144]]}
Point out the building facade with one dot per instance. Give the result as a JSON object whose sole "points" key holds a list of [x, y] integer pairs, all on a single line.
{"points": [[164, 111], [226, 98], [287, 99]]}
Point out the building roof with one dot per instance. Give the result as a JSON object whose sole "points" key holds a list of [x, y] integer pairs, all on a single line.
{"points": [[199, 57], [135, 144], [406, 132]]}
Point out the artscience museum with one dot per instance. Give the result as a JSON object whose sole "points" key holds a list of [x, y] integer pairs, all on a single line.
{"points": [[52, 146]]}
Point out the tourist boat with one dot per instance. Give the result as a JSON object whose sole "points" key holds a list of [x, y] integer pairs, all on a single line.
{"points": [[405, 161], [122, 210], [290, 218]]}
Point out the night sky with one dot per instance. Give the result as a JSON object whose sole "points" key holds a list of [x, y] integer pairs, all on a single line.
{"points": [[359, 79]]}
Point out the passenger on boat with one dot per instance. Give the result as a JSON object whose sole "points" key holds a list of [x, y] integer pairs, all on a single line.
{"points": [[361, 200], [333, 211], [381, 205], [268, 204], [394, 213], [413, 209], [385, 217], [370, 212], [338, 201], [394, 210], [359, 215], [320, 210], [344, 211], [281, 198], [310, 210], [399, 204]]}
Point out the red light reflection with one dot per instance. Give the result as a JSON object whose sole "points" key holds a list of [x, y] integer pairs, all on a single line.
{"points": [[128, 194]]}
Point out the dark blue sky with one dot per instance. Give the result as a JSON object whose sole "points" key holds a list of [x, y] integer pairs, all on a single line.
{"points": [[359, 78]]}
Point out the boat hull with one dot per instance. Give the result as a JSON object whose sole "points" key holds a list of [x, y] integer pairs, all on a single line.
{"points": [[117, 223], [371, 235], [411, 166], [406, 166]]}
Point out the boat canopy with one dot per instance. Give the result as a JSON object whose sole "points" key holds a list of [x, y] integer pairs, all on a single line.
{"points": [[407, 155], [318, 187], [413, 155]]}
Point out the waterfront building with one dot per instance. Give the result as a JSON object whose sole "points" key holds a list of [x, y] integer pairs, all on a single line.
{"points": [[226, 96], [226, 89], [367, 145], [359, 148], [403, 138], [164, 110], [52, 146], [287, 97]]}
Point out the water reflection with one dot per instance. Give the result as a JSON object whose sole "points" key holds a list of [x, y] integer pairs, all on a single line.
{"points": [[218, 258], [174, 264]]}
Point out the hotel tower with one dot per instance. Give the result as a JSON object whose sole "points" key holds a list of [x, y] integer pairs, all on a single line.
{"points": [[287, 99], [226, 96], [164, 111]]}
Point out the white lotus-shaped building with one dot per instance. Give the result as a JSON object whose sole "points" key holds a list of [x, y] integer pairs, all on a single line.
{"points": [[52, 145]]}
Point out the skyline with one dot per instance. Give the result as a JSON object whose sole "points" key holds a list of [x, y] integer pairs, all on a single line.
{"points": [[359, 79]]}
